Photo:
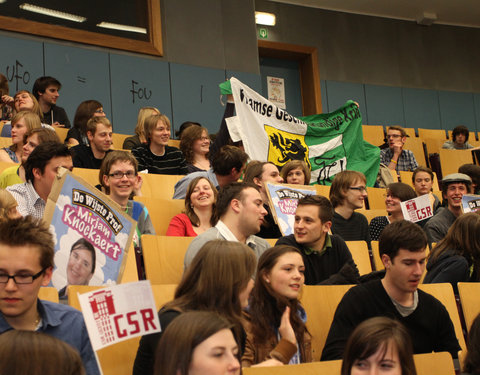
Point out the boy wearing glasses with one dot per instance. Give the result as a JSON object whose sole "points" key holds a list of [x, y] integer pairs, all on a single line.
{"points": [[120, 180], [347, 194], [99, 134], [326, 257], [26, 263], [395, 157]]}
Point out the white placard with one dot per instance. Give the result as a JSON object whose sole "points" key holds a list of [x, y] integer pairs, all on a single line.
{"points": [[417, 209], [119, 313], [470, 203], [276, 91]]}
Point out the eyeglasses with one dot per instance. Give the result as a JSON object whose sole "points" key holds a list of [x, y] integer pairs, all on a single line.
{"points": [[358, 188], [118, 175], [394, 135], [100, 111], [20, 279]]}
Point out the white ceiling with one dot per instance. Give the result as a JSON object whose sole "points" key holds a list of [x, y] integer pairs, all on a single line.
{"points": [[448, 12]]}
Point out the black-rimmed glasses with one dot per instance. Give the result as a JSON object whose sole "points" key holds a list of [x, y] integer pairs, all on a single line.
{"points": [[20, 279]]}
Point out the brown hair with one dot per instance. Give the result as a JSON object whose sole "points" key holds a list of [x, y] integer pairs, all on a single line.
{"points": [[227, 194], [376, 334], [401, 234], [151, 123], [175, 349], [3, 85], [36, 353], [189, 136], [399, 128], [36, 107], [254, 170], [471, 363], [460, 129], [43, 135], [143, 113], [7, 202], [463, 238], [341, 183], [267, 307], [111, 158], [294, 164], [325, 209], [422, 169], [228, 157], [93, 122], [84, 112], [28, 231], [214, 280], [401, 191], [188, 202]]}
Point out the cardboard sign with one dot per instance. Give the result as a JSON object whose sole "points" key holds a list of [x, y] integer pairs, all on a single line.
{"points": [[84, 219], [470, 203], [283, 200], [417, 209], [119, 313]]}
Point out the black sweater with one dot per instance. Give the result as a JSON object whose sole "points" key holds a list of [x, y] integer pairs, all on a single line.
{"points": [[429, 325]]}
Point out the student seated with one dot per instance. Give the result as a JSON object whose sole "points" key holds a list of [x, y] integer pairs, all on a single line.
{"points": [[402, 250], [198, 342], [157, 156], [471, 363], [218, 280], [459, 139], [347, 194], [26, 264], [296, 172], [422, 179], [275, 318], [199, 208], [326, 257], [259, 173], [396, 192], [85, 111], [46, 91], [379, 345], [27, 352], [139, 138], [195, 146], [395, 156], [456, 258]]}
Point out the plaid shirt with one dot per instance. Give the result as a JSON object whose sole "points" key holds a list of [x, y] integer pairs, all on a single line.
{"points": [[29, 202], [406, 161]]}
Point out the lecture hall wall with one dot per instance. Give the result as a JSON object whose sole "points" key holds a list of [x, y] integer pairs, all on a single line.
{"points": [[399, 72]]}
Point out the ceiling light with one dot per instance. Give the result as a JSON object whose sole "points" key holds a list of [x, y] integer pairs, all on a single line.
{"points": [[116, 26], [262, 18], [52, 12]]}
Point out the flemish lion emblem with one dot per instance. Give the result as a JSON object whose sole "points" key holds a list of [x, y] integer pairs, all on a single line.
{"points": [[285, 146]]}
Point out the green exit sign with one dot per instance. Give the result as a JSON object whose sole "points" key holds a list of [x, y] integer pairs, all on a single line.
{"points": [[263, 33]]}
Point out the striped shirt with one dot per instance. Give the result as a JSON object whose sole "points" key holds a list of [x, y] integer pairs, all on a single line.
{"points": [[171, 162]]}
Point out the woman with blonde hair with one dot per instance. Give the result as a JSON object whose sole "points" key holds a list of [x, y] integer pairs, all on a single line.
{"points": [[8, 206], [219, 279], [131, 142], [456, 258], [22, 101], [296, 172], [199, 207], [35, 353], [22, 122]]}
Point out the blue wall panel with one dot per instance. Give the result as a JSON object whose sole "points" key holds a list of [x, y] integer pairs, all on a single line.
{"points": [[84, 75], [136, 83], [289, 71], [457, 108], [421, 108], [253, 81], [339, 92], [195, 95], [21, 61], [384, 105], [324, 96]]}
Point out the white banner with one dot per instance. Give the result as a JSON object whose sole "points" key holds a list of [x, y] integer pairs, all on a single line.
{"points": [[417, 209], [119, 313]]}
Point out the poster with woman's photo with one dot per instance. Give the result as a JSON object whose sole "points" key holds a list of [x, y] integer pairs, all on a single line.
{"points": [[92, 234]]}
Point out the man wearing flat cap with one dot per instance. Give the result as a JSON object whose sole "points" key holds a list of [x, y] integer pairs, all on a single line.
{"points": [[454, 186]]}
